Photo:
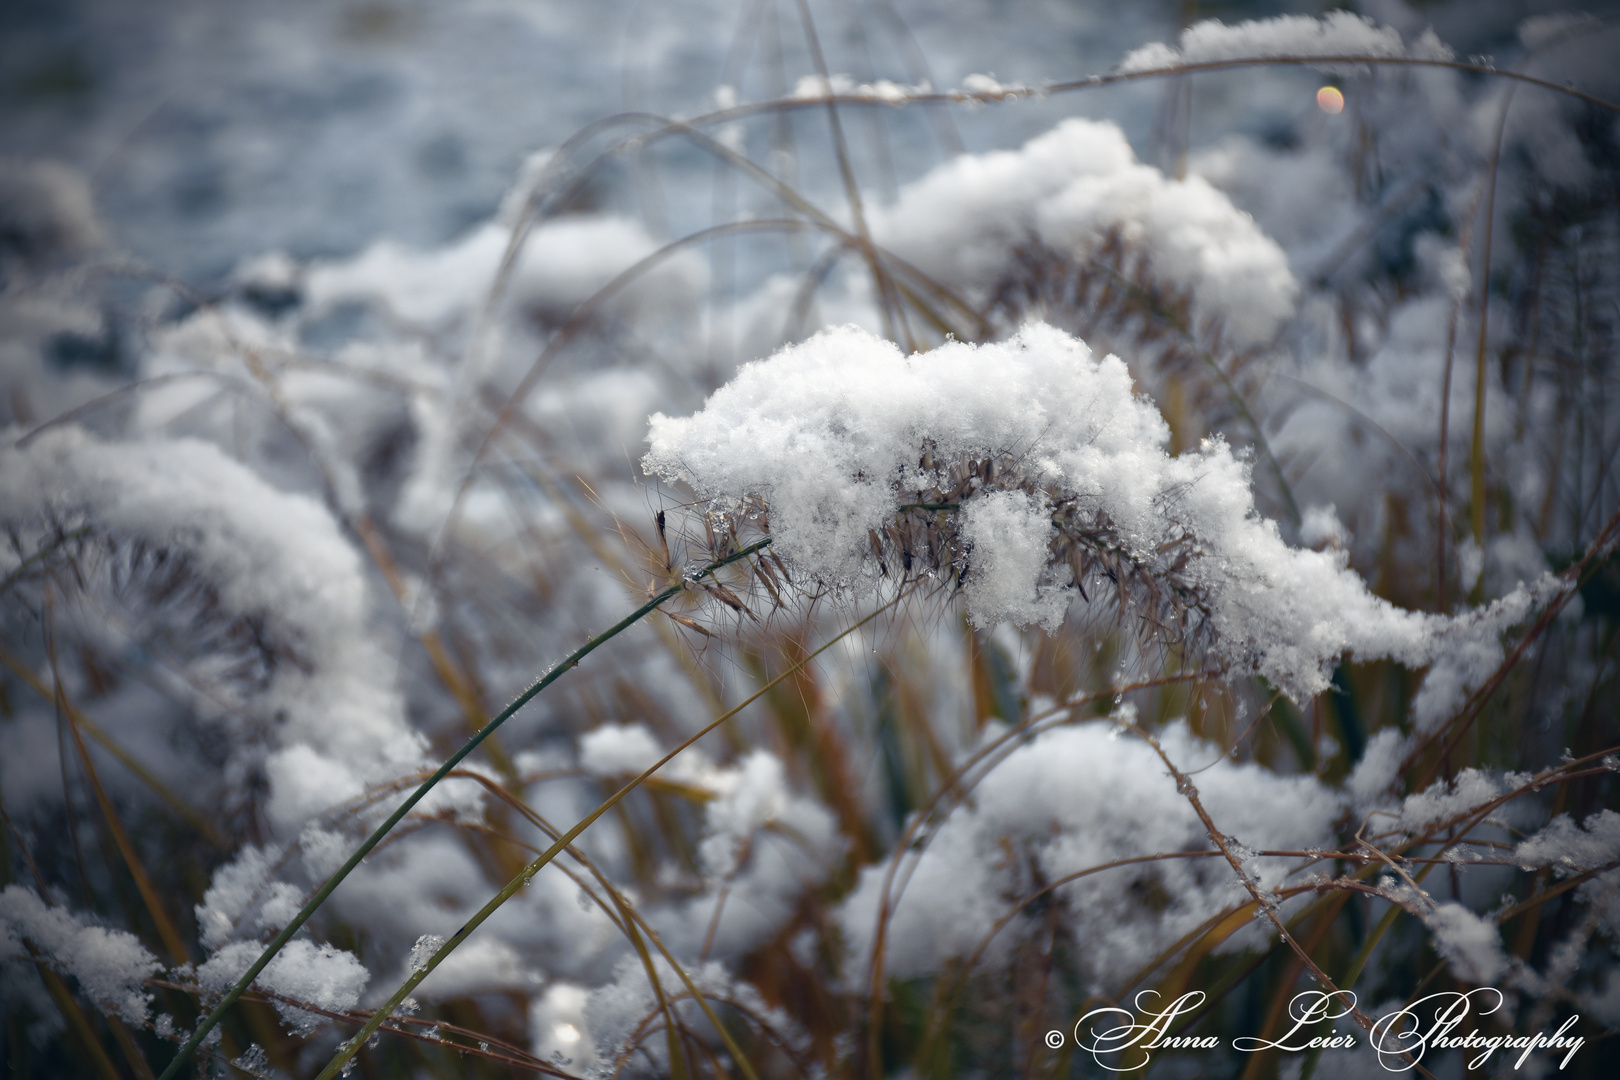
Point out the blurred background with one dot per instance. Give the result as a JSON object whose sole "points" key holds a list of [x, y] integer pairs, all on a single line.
{"points": [[335, 285], [210, 132]]}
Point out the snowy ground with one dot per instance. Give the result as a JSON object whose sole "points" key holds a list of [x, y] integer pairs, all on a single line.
{"points": [[329, 372]]}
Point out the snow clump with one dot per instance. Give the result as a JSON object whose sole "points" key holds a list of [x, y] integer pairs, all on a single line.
{"points": [[1339, 33], [110, 966], [1081, 797], [315, 974], [269, 556], [973, 221], [834, 437]]}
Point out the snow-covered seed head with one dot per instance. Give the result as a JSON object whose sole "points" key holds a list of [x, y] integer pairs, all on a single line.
{"points": [[1031, 474]]}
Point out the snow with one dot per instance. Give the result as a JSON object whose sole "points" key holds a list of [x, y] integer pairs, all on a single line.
{"points": [[1445, 800], [558, 1027], [1069, 191], [268, 554], [110, 966], [1075, 798], [562, 263], [345, 370], [308, 972], [1471, 944], [613, 1017], [616, 749], [761, 842], [827, 436], [1009, 533], [1339, 33], [751, 797], [1320, 527], [1563, 844], [244, 899]]}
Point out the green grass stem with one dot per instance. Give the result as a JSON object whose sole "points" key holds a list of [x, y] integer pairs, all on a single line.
{"points": [[280, 940], [352, 1046]]}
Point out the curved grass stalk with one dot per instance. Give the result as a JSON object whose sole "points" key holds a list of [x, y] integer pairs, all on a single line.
{"points": [[948, 992], [478, 1044], [953, 787], [758, 1021], [627, 920], [1266, 905], [1573, 577], [617, 909], [787, 193], [1370, 424], [350, 1048], [893, 317], [280, 940], [1114, 78], [582, 316], [541, 476], [113, 397], [1238, 402], [587, 309]]}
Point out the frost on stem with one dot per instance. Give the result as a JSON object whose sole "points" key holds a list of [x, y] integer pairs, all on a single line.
{"points": [[1032, 474], [1340, 33]]}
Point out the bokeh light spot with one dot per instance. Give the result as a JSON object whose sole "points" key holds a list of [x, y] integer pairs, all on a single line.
{"points": [[1330, 99]]}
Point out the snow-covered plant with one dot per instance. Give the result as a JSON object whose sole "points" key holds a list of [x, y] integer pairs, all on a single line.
{"points": [[762, 599]]}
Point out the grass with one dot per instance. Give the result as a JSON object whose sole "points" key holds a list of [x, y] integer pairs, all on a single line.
{"points": [[746, 636]]}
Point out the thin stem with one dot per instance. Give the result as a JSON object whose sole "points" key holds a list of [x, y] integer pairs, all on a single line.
{"points": [[280, 940], [1440, 494], [1476, 459], [45, 551], [956, 786], [1267, 905], [352, 1046], [890, 307]]}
